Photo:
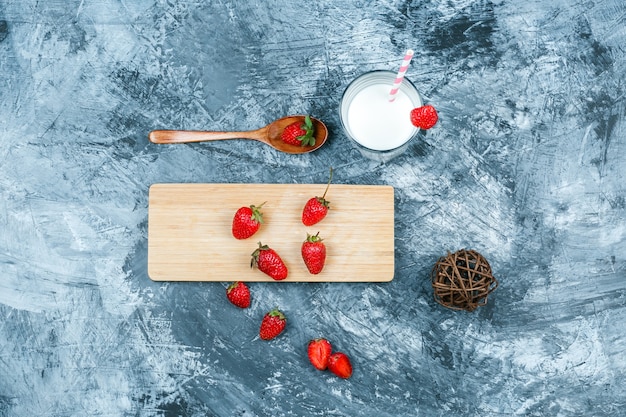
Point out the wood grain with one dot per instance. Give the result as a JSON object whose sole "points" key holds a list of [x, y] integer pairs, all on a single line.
{"points": [[189, 231]]}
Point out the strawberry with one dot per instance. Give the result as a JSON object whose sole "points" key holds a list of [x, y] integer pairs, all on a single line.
{"points": [[299, 134], [319, 351], [247, 221], [339, 364], [272, 325], [238, 293], [316, 208], [314, 253], [424, 117], [269, 262]]}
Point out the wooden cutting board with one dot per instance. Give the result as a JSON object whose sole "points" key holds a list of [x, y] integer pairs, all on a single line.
{"points": [[189, 231]]}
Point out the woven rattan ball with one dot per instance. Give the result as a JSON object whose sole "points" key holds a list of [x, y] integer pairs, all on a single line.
{"points": [[462, 280]]}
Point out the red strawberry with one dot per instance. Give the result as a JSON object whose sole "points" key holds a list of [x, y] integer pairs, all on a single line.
{"points": [[424, 117], [317, 207], [272, 325], [247, 221], [238, 293], [269, 262], [314, 253], [319, 352], [339, 364], [299, 134]]}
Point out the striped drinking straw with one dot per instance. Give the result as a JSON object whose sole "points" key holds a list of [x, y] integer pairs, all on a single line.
{"points": [[396, 84]]}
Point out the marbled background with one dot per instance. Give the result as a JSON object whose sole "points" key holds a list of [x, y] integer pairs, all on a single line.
{"points": [[527, 166]]}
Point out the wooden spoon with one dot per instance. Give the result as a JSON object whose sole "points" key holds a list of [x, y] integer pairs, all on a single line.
{"points": [[269, 134]]}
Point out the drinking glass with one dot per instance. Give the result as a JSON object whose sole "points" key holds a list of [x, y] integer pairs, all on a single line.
{"points": [[378, 128]]}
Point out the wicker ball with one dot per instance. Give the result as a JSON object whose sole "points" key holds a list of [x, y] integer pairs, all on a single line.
{"points": [[462, 280]]}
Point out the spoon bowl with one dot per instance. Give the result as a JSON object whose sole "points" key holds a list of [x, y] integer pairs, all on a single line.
{"points": [[269, 135]]}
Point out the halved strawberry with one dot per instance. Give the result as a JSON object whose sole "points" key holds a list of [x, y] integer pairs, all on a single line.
{"points": [[319, 351]]}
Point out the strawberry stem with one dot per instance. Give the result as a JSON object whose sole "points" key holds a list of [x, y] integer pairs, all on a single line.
{"points": [[313, 238], [330, 177], [254, 261], [257, 215]]}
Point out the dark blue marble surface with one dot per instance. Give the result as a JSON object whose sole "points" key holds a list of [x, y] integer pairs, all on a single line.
{"points": [[527, 166]]}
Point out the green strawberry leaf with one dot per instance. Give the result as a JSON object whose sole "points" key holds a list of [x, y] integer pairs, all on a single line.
{"points": [[308, 139]]}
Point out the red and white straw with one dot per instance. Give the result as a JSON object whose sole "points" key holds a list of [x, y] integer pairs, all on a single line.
{"points": [[405, 66]]}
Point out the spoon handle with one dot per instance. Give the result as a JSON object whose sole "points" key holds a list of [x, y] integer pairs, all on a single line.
{"points": [[187, 136]]}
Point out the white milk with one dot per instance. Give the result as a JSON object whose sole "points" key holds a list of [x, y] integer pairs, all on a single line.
{"points": [[376, 123]]}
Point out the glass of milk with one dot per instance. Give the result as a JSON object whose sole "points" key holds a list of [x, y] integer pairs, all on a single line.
{"points": [[380, 129]]}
